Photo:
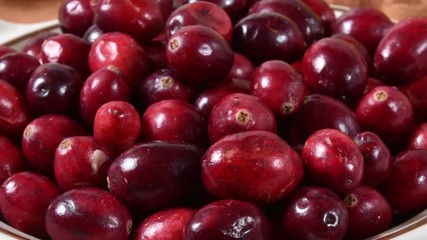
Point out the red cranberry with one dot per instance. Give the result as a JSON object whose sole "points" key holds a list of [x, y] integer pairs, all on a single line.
{"points": [[156, 53], [199, 54], [369, 213], [24, 199], [5, 50], [358, 45], [324, 11], [235, 9], [406, 186], [238, 112], [227, 220], [16, 68], [418, 138], [75, 16], [142, 19], [372, 83], [268, 36], [154, 175], [240, 72], [88, 213], [42, 136], [314, 213], [166, 8], [92, 33], [164, 225], [11, 158], [376, 158], [333, 160], [33, 46], [209, 97], [279, 86], [417, 95], [256, 166]]}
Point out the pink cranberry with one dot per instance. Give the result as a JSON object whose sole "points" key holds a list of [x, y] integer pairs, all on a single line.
{"points": [[16, 68], [11, 158], [76, 16]]}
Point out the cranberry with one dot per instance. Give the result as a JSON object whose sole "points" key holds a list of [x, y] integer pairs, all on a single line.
{"points": [[16, 68], [241, 72], [324, 11], [200, 13], [208, 98], [314, 213], [418, 138], [358, 45], [154, 175], [88, 213], [92, 33], [42, 136], [33, 46], [156, 53], [267, 36], [166, 8], [199, 54], [75, 16], [369, 213], [279, 86], [235, 9], [239, 112], [5, 50], [164, 225], [24, 199], [256, 166], [227, 220], [142, 19], [416, 93], [11, 158]]}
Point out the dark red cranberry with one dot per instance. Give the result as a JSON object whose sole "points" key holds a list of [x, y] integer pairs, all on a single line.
{"points": [[417, 95], [166, 8], [369, 213], [24, 199], [209, 97], [256, 166], [42, 136], [228, 220], [54, 89], [141, 19], [92, 33], [235, 9], [198, 54], [314, 213], [104, 85], [11, 158], [156, 53], [76, 16], [154, 175], [122, 51], [33, 46], [358, 45], [406, 186], [387, 112], [372, 83], [240, 74], [200, 13], [164, 225], [324, 11], [418, 138], [279, 86], [268, 36], [238, 112], [88, 213], [16, 68], [376, 158]]}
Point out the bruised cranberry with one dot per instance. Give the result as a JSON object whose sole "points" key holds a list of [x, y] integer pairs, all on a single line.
{"points": [[418, 138], [369, 213], [16, 68], [154, 175], [256, 166], [324, 11], [239, 112], [42, 136], [88, 213], [11, 158], [75, 16], [164, 225], [333, 160], [198, 54], [24, 199], [417, 95], [406, 186], [279, 86], [314, 213]]}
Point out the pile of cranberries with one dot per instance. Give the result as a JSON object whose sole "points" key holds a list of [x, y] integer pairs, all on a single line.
{"points": [[214, 120]]}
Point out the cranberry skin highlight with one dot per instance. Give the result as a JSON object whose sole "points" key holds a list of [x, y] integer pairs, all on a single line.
{"points": [[76, 16], [418, 138]]}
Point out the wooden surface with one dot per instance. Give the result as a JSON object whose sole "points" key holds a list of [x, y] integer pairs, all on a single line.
{"points": [[29, 11]]}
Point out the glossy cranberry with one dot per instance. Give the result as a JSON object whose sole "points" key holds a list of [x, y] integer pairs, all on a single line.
{"points": [[75, 16], [367, 25], [238, 112], [400, 55], [307, 21], [279, 86], [164, 225], [387, 112], [16, 68], [227, 220], [369, 213], [348, 79], [14, 111], [11, 158], [314, 213], [117, 125], [67, 49], [105, 85], [376, 158], [122, 51], [200, 13], [240, 74], [406, 187], [156, 53], [54, 88], [92, 33], [417, 95], [174, 120], [33, 46], [198, 54], [324, 11], [164, 84], [268, 36], [24, 199], [142, 19], [418, 138], [209, 97], [256, 166], [88, 213], [42, 136], [235, 9], [358, 45], [154, 175]]}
